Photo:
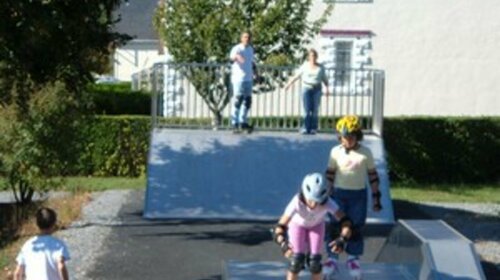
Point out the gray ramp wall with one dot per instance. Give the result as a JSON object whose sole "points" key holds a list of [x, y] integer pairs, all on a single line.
{"points": [[215, 174], [431, 249]]}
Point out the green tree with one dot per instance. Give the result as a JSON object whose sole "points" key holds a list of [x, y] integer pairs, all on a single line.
{"points": [[48, 52], [41, 145], [205, 30]]}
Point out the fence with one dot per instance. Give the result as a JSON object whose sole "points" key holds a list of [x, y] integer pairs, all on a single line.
{"points": [[198, 95]]}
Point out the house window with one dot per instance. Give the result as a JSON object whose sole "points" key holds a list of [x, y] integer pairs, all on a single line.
{"points": [[347, 53], [343, 58]]}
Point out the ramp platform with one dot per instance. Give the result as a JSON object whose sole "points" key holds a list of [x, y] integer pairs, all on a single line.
{"points": [[415, 249], [216, 174], [276, 271]]}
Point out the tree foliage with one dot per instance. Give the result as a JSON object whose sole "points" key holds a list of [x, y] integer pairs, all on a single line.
{"points": [[48, 40], [205, 30], [43, 144], [48, 52]]}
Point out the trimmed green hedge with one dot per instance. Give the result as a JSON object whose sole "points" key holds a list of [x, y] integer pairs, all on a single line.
{"points": [[443, 150], [119, 99], [419, 150], [114, 146]]}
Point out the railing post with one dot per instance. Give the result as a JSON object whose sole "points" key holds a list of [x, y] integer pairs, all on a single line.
{"points": [[378, 102], [154, 101]]}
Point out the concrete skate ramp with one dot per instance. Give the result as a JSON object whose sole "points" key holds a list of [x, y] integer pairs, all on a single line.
{"points": [[431, 249], [277, 270], [415, 249], [215, 174]]}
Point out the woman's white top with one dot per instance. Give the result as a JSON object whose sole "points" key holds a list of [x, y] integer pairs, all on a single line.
{"points": [[312, 76]]}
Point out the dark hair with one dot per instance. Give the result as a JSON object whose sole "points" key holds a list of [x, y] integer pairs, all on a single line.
{"points": [[358, 134], [246, 32], [313, 51], [45, 218]]}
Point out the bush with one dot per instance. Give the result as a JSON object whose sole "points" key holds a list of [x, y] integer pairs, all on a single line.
{"points": [[119, 99], [443, 150], [38, 140], [114, 146]]}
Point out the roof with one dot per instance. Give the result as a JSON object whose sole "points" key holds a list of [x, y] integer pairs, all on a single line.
{"points": [[343, 32], [137, 19]]}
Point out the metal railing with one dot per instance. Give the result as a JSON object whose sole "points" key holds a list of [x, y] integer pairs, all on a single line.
{"points": [[199, 95]]}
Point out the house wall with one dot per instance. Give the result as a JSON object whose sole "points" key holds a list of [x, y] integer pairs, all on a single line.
{"points": [[135, 56], [441, 57]]}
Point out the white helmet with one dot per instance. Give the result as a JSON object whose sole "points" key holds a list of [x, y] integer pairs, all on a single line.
{"points": [[313, 188]]}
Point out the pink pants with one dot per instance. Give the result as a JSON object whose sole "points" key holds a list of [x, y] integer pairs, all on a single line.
{"points": [[306, 240]]}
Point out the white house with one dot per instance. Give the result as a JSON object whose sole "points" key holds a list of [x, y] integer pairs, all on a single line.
{"points": [[440, 57], [145, 49]]}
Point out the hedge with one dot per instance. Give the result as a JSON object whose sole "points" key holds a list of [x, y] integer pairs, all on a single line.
{"points": [[419, 150], [443, 150], [119, 99], [114, 146]]}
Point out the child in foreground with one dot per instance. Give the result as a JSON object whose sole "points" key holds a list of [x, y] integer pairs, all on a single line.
{"points": [[300, 231], [43, 257]]}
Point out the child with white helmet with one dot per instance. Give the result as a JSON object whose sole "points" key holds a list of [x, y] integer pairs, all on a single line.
{"points": [[350, 166], [301, 229]]}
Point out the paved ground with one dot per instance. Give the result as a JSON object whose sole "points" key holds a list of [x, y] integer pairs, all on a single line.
{"points": [[140, 249], [134, 248]]}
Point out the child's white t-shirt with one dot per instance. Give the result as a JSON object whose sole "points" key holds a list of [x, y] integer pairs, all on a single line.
{"points": [[39, 257], [304, 216], [351, 168]]}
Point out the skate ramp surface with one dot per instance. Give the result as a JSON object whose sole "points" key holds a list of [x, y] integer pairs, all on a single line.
{"points": [[276, 271], [216, 174], [415, 249]]}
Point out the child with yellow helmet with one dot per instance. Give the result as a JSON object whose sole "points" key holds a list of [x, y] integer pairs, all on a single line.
{"points": [[350, 166]]}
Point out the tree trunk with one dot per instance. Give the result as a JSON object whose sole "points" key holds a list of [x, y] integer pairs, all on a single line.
{"points": [[216, 119]]}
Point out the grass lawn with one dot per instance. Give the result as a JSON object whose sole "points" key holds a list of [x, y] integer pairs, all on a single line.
{"points": [[91, 184], [436, 193], [447, 193]]}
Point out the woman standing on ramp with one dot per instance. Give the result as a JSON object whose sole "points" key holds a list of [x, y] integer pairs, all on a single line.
{"points": [[313, 75]]}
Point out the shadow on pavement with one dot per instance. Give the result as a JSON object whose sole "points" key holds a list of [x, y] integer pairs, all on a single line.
{"points": [[167, 244]]}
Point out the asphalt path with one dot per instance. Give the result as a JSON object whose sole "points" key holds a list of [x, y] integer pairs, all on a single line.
{"points": [[196, 249]]}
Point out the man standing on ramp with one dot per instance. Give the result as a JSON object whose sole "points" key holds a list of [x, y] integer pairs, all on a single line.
{"points": [[242, 74]]}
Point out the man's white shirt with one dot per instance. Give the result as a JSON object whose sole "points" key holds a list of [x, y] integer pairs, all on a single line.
{"points": [[242, 72]]}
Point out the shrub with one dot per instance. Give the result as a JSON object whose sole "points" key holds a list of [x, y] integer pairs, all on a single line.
{"points": [[114, 146], [119, 99], [443, 150], [39, 141]]}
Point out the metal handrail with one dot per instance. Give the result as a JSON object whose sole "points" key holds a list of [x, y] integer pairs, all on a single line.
{"points": [[197, 95]]}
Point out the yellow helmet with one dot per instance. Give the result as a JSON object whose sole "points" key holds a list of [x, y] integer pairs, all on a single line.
{"points": [[349, 124]]}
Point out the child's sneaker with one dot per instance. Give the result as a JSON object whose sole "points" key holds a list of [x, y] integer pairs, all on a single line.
{"points": [[330, 268], [354, 268]]}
